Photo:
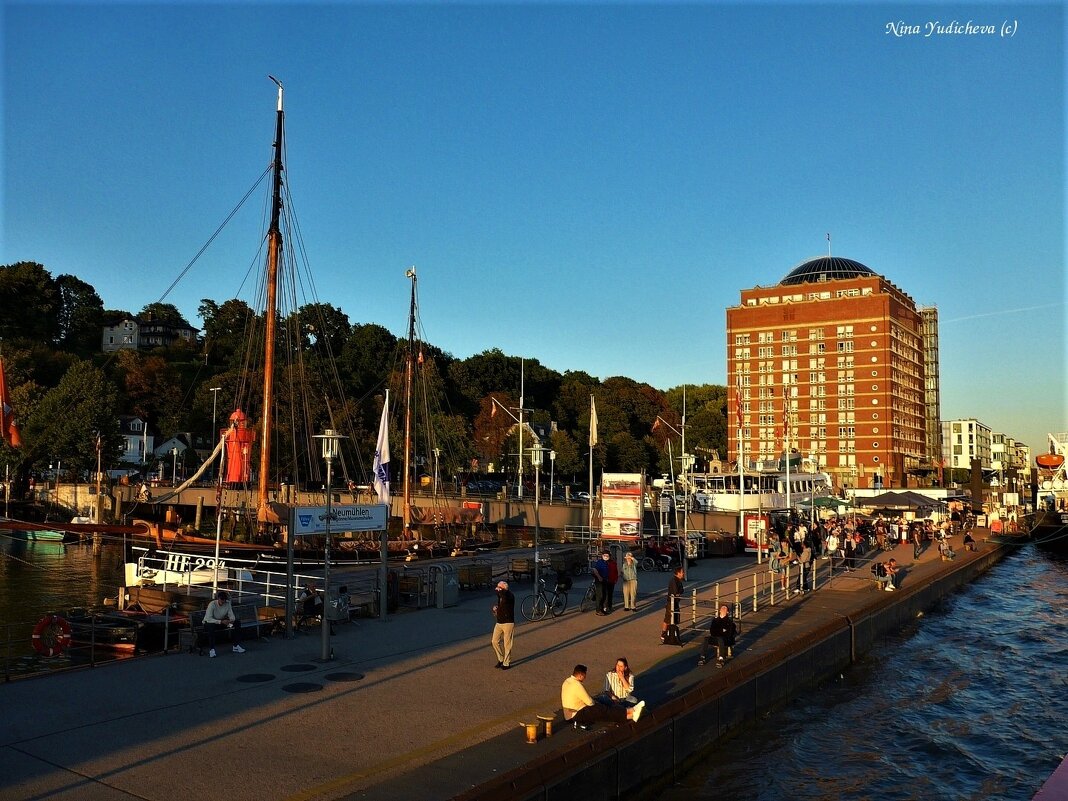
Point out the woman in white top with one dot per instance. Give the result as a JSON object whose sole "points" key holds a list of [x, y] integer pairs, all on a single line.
{"points": [[619, 684]]}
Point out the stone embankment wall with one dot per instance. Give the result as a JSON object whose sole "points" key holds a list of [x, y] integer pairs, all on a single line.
{"points": [[637, 762]]}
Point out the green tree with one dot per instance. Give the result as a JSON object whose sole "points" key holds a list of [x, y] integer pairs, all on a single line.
{"points": [[30, 302], [80, 316], [163, 312], [64, 421], [227, 330]]}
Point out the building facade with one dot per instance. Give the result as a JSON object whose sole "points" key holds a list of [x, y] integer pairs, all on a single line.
{"points": [[964, 440], [145, 334], [831, 360]]}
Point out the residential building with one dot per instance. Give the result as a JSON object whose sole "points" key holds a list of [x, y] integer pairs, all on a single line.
{"points": [[832, 359], [137, 438], [964, 440], [145, 333]]}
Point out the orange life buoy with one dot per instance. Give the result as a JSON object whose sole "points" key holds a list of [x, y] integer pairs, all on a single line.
{"points": [[51, 635]]}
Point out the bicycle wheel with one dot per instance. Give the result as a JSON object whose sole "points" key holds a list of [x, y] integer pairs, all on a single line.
{"points": [[589, 600], [534, 607], [559, 604]]}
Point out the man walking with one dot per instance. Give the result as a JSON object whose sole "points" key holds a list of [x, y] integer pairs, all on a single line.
{"points": [[504, 626]]}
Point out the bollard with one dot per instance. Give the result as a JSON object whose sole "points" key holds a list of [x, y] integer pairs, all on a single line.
{"points": [[532, 731], [547, 723]]}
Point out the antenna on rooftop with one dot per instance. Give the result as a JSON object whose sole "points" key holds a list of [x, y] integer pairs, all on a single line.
{"points": [[828, 245]]}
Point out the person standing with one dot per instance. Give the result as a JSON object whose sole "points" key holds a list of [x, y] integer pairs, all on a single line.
{"points": [[630, 583], [220, 615], [603, 590], [610, 579], [674, 598], [805, 567], [917, 541], [504, 626]]}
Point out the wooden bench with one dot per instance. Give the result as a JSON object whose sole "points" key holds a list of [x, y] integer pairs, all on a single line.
{"points": [[252, 626], [521, 567]]}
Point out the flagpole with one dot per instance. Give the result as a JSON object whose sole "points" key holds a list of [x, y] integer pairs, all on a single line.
{"points": [[593, 442], [522, 381], [380, 482]]}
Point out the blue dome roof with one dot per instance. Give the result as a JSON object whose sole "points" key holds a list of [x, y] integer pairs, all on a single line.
{"points": [[826, 268]]}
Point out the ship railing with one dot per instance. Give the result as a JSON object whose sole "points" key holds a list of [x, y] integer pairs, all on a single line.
{"points": [[247, 580], [748, 593]]}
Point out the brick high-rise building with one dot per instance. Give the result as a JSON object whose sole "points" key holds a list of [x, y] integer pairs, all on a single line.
{"points": [[843, 351]]}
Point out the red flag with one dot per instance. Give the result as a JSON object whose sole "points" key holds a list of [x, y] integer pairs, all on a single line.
{"points": [[9, 432]]}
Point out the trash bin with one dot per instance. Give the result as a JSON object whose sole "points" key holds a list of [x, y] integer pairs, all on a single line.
{"points": [[447, 586]]}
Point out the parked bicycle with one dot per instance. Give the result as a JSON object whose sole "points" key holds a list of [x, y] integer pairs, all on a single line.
{"points": [[539, 605], [589, 600]]}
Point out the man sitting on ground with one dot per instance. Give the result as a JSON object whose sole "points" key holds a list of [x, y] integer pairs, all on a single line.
{"points": [[579, 707]]}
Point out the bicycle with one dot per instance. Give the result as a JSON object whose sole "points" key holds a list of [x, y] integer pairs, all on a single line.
{"points": [[589, 600], [539, 605]]}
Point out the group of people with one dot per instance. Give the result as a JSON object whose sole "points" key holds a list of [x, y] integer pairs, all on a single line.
{"points": [[616, 703], [605, 576]]}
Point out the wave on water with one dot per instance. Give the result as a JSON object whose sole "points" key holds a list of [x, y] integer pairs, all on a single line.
{"points": [[968, 702]]}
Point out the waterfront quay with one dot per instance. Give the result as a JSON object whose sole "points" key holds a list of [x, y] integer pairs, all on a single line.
{"points": [[412, 708]]}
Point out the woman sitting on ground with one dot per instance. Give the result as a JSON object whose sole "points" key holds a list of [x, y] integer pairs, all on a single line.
{"points": [[619, 684]]}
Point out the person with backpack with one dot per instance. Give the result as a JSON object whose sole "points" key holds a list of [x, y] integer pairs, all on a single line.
{"points": [[669, 630], [884, 573]]}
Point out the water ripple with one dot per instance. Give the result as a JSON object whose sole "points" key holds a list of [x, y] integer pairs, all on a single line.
{"points": [[967, 702]]}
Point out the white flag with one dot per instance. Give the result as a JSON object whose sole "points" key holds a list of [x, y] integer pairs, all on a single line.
{"points": [[593, 422], [381, 463]]}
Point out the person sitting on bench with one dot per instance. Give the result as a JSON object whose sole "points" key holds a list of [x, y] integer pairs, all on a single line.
{"points": [[310, 603], [219, 615], [583, 710]]}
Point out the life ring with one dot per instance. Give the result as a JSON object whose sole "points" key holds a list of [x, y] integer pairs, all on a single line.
{"points": [[51, 635]]}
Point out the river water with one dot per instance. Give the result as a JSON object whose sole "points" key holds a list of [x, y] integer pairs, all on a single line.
{"points": [[969, 702]]}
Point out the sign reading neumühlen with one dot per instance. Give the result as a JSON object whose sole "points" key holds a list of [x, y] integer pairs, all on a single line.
{"points": [[309, 520]]}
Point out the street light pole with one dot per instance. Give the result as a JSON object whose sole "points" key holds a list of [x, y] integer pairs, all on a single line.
{"points": [[174, 466], [552, 475], [330, 440], [536, 461]]}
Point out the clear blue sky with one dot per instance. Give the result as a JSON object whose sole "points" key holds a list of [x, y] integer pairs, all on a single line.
{"points": [[588, 185]]}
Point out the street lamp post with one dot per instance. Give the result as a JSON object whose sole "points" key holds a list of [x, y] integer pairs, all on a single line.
{"points": [[174, 466], [330, 440], [214, 405], [552, 475], [536, 458]]}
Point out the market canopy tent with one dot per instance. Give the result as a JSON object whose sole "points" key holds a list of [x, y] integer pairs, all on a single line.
{"points": [[909, 501]]}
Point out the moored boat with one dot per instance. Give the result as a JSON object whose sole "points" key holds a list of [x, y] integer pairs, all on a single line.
{"points": [[1048, 525]]}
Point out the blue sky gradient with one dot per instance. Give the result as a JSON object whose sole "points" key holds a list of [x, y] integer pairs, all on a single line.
{"points": [[588, 185]]}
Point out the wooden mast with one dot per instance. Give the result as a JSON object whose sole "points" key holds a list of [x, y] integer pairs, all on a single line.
{"points": [[274, 249], [406, 508]]}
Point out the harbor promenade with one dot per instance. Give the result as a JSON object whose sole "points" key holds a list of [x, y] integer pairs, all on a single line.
{"points": [[410, 708]]}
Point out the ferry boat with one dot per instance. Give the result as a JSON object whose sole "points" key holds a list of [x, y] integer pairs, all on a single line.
{"points": [[1048, 524], [762, 491]]}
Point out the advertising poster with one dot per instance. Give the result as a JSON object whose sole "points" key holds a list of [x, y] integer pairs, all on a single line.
{"points": [[621, 505]]}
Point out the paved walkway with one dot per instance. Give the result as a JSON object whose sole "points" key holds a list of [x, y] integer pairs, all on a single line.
{"points": [[408, 708]]}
